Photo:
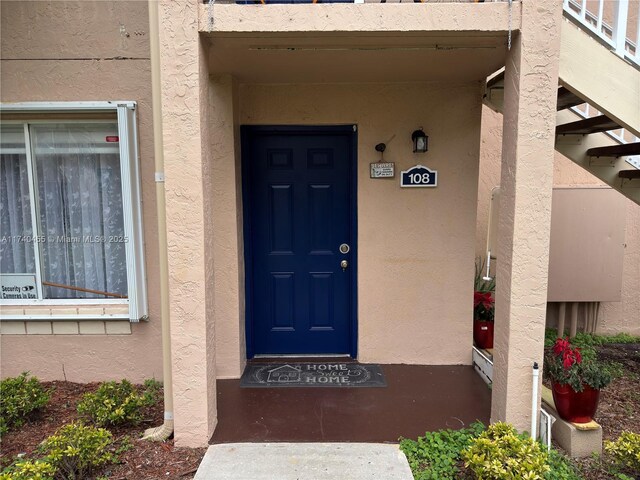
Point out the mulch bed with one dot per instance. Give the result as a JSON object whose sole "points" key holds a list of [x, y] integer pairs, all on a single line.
{"points": [[619, 407], [145, 460]]}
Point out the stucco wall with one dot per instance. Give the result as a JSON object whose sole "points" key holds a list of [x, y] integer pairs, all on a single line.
{"points": [[415, 246], [78, 51], [614, 317]]}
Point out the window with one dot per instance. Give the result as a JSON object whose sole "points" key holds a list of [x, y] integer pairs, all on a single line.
{"points": [[70, 214]]}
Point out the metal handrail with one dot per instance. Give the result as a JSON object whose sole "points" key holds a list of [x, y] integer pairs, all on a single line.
{"points": [[614, 35]]}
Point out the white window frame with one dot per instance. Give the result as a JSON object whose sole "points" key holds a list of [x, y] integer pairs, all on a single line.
{"points": [[131, 205]]}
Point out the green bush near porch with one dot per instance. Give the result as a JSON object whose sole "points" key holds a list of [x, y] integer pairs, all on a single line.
{"points": [[440, 455], [116, 403], [20, 396]]}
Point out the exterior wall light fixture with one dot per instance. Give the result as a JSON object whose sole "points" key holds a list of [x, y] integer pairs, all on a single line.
{"points": [[420, 141]]}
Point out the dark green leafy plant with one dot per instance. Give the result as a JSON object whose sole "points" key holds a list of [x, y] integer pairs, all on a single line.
{"points": [[561, 467], [565, 364], [584, 340], [500, 453], [114, 403], [20, 396], [436, 455], [77, 450], [152, 391]]}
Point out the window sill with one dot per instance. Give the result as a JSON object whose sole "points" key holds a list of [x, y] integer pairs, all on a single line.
{"points": [[101, 310], [65, 327]]}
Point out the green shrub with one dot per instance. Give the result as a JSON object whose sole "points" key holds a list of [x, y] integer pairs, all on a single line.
{"points": [[19, 397], [499, 453], [436, 455], [590, 340], [114, 403], [76, 450], [29, 470], [625, 450]]}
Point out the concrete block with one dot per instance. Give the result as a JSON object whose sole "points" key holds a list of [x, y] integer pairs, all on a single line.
{"points": [[577, 443], [12, 328], [65, 328], [11, 311], [92, 327], [39, 328], [118, 327]]}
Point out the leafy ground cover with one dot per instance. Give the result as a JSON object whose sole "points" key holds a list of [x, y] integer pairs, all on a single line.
{"points": [[137, 459]]}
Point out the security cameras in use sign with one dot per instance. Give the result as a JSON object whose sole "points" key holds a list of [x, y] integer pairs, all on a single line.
{"points": [[18, 286], [419, 176]]}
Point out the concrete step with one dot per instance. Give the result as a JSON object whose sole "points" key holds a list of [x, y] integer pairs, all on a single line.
{"points": [[304, 461]]}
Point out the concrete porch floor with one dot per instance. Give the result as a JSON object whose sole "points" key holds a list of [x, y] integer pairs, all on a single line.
{"points": [[416, 399]]}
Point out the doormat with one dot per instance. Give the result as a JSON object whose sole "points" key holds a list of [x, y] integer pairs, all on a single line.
{"points": [[312, 375]]}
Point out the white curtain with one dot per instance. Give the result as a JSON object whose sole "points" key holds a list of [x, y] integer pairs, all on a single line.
{"points": [[80, 207], [16, 249]]}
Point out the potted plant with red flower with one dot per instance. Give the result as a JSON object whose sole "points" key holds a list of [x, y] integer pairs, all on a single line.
{"points": [[576, 379], [483, 313], [483, 307]]}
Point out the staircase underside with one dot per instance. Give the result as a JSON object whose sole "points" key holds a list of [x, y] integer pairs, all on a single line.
{"points": [[590, 73]]}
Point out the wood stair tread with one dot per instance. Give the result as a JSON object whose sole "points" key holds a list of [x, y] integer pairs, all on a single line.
{"points": [[567, 99], [615, 150], [587, 126], [630, 174]]}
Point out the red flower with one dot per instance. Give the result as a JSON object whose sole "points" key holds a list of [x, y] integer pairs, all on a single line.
{"points": [[561, 346], [567, 361], [484, 299]]}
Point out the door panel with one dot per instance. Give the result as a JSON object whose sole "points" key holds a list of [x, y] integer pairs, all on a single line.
{"points": [[298, 193]]}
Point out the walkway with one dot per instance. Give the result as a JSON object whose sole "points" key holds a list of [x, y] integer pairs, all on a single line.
{"points": [[304, 461]]}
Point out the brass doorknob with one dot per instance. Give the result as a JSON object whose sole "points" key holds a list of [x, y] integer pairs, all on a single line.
{"points": [[344, 264]]}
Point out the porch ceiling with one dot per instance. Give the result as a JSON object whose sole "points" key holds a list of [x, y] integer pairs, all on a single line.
{"points": [[355, 58]]}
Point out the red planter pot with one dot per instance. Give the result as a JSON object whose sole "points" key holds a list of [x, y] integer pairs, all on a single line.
{"points": [[483, 333], [572, 406]]}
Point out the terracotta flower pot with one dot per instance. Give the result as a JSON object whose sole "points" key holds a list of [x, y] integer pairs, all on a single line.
{"points": [[572, 406], [483, 333]]}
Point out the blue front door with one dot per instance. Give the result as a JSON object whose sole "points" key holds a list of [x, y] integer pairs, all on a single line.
{"points": [[299, 239]]}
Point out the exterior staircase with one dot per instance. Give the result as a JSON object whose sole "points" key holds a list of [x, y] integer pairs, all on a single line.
{"points": [[598, 119]]}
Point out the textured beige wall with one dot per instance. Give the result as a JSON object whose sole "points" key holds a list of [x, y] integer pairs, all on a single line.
{"points": [[71, 51], [226, 213], [614, 317], [416, 246], [526, 180], [188, 140]]}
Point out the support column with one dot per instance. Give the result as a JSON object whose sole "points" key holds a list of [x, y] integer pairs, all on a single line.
{"points": [[185, 106], [226, 212], [531, 82]]}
